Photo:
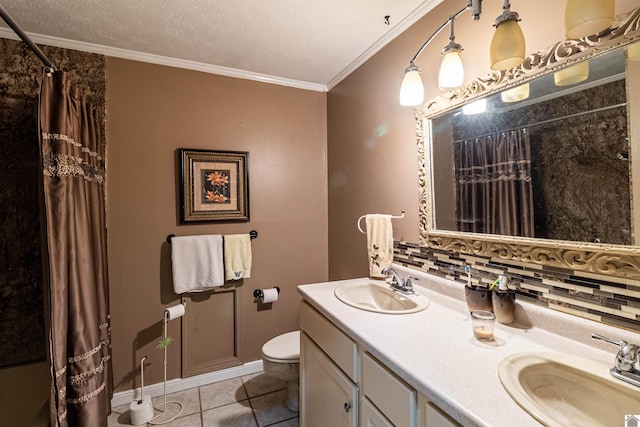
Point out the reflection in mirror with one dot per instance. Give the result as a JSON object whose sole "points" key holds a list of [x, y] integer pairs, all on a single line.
{"points": [[548, 159]]}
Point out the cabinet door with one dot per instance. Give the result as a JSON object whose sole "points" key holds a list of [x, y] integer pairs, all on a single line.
{"points": [[327, 396], [370, 415]]}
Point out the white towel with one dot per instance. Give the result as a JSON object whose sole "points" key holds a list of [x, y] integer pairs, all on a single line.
{"points": [[237, 256], [379, 243], [197, 263]]}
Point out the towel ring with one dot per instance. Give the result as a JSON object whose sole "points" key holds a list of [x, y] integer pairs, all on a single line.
{"points": [[364, 216]]}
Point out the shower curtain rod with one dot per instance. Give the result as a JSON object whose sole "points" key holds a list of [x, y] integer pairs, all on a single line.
{"points": [[25, 38], [544, 122]]}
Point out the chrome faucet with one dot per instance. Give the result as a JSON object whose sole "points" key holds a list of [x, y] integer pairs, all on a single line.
{"points": [[400, 283], [624, 366]]}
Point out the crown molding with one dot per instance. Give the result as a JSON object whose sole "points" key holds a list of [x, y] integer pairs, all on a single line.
{"points": [[408, 21], [162, 60]]}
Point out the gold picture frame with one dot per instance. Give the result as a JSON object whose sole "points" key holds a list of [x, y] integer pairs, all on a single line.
{"points": [[214, 186]]}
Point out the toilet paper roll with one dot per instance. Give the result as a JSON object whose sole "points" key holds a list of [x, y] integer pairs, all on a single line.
{"points": [[175, 311], [141, 411], [269, 295]]}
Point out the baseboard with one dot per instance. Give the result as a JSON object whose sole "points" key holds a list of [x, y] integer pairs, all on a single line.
{"points": [[179, 384]]}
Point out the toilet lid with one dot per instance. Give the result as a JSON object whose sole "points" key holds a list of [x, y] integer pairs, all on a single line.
{"points": [[285, 347]]}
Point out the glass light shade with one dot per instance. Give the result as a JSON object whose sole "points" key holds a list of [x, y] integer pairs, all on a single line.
{"points": [[508, 47], [633, 52], [476, 107], [583, 18], [516, 94], [412, 90], [572, 75], [451, 73]]}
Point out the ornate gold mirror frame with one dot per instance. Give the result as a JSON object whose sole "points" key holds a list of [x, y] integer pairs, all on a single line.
{"points": [[616, 260]]}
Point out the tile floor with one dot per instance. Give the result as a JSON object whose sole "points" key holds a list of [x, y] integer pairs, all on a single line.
{"points": [[250, 401]]}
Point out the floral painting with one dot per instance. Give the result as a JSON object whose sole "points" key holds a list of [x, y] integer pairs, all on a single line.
{"points": [[214, 186]]}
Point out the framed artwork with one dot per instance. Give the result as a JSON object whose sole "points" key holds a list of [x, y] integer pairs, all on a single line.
{"points": [[214, 186]]}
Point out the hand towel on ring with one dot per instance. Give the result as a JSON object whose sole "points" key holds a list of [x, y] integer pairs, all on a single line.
{"points": [[379, 243]]}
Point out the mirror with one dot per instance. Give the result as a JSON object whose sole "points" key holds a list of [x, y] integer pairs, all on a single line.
{"points": [[544, 173]]}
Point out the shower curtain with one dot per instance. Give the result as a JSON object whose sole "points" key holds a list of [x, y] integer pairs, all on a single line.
{"points": [[73, 172], [494, 191]]}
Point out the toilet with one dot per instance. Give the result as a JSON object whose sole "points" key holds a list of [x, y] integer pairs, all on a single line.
{"points": [[281, 359]]}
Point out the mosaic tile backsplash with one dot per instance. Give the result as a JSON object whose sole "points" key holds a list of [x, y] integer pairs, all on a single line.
{"points": [[613, 301]]}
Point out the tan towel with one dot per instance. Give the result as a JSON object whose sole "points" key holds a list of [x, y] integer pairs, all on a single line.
{"points": [[379, 243], [237, 256], [196, 263]]}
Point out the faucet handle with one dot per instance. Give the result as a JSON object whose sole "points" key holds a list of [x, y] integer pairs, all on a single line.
{"points": [[609, 340], [408, 279], [627, 355]]}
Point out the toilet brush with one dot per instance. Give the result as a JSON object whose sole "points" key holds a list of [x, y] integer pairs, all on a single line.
{"points": [[141, 410]]}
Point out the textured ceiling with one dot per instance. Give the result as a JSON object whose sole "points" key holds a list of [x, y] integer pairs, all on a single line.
{"points": [[308, 41]]}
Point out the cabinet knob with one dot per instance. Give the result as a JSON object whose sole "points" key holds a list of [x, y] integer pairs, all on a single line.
{"points": [[347, 407]]}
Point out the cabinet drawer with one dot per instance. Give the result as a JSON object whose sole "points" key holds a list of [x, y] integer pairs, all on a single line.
{"points": [[436, 418], [340, 348], [392, 396]]}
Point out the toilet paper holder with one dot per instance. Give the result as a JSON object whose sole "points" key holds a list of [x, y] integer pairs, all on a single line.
{"points": [[259, 294]]}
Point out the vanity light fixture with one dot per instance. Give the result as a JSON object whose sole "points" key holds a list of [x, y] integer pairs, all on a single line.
{"points": [[475, 107], [633, 52], [583, 18], [515, 94], [508, 47], [572, 75], [451, 73], [412, 89]]}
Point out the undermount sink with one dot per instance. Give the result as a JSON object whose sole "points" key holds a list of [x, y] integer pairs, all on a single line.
{"points": [[380, 298], [563, 390]]}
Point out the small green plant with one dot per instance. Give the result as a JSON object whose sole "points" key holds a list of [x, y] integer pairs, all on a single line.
{"points": [[164, 343]]}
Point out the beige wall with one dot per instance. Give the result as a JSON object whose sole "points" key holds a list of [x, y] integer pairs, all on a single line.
{"points": [[372, 139], [153, 110]]}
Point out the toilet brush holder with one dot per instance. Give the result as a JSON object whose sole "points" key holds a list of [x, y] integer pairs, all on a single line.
{"points": [[141, 411]]}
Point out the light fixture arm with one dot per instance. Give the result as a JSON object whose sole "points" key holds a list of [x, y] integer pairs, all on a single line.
{"points": [[469, 5], [452, 39]]}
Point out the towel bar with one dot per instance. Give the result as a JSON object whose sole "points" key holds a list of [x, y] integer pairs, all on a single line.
{"points": [[253, 234], [364, 216]]}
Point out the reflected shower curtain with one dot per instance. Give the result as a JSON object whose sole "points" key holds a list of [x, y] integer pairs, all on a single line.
{"points": [[494, 192], [78, 301]]}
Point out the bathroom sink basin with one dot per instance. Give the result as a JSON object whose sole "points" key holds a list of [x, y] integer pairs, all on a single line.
{"points": [[563, 390], [380, 298]]}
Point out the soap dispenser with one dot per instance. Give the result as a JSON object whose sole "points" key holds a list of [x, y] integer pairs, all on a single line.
{"points": [[504, 301]]}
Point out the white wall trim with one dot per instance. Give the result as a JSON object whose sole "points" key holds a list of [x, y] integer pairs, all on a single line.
{"points": [[408, 21], [180, 384], [162, 60]]}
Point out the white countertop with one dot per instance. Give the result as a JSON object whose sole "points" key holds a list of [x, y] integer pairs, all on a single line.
{"points": [[434, 350]]}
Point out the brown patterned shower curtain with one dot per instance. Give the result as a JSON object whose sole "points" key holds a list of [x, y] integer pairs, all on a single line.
{"points": [[78, 302], [494, 191]]}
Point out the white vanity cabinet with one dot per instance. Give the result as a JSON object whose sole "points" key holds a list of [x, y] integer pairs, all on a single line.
{"points": [[432, 416], [341, 384], [329, 396], [394, 398], [328, 373]]}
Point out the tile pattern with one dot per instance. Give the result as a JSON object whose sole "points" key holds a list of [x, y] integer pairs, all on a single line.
{"points": [[613, 301], [249, 401]]}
